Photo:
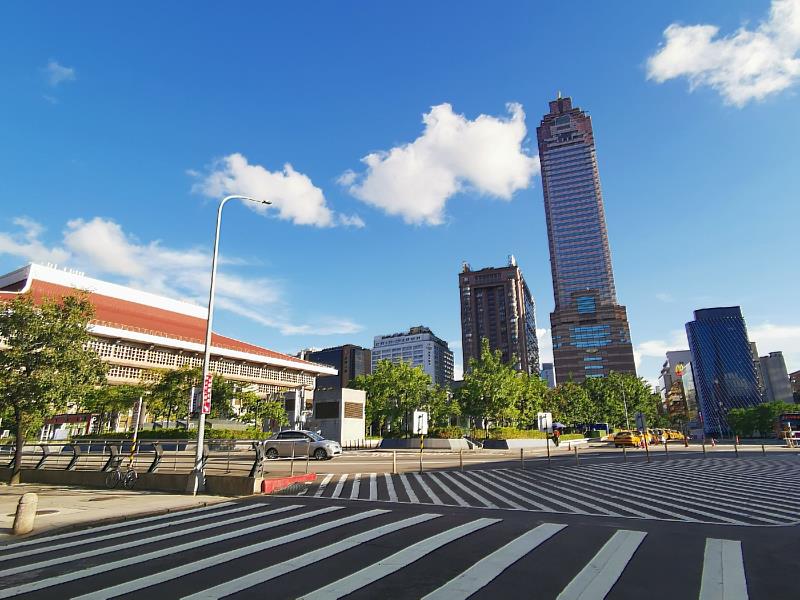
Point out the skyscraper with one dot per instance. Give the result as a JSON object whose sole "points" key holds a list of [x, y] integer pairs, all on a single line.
{"points": [[496, 304], [775, 378], [722, 365], [591, 336], [418, 347], [350, 360]]}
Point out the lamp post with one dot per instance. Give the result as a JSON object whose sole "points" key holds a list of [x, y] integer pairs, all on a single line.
{"points": [[625, 403], [197, 479]]}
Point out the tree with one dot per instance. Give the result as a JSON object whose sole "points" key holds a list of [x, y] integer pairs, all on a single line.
{"points": [[394, 391], [742, 421], [569, 403], [47, 362], [492, 389], [170, 394], [532, 400], [441, 406], [259, 409], [108, 401]]}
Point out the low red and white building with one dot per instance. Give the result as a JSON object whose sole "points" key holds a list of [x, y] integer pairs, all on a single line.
{"points": [[136, 332]]}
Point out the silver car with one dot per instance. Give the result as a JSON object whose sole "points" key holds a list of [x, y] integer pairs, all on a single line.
{"points": [[280, 445]]}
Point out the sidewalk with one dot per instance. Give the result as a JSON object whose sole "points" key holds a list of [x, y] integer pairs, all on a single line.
{"points": [[64, 507]]}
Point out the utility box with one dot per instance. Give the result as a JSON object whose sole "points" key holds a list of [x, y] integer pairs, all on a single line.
{"points": [[339, 414]]}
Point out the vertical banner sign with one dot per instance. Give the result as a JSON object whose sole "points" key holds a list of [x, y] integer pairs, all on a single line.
{"points": [[137, 413], [207, 394], [195, 395]]}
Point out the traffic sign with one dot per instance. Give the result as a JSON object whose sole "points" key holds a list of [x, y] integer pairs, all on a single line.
{"points": [[420, 422], [545, 421], [641, 421], [207, 394]]}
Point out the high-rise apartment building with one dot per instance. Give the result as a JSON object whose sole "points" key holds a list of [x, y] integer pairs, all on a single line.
{"points": [[722, 365], [591, 336], [775, 378], [350, 360], [418, 347], [496, 304]]}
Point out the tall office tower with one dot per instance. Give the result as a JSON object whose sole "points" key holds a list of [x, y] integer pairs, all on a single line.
{"points": [[591, 336], [722, 365], [496, 304], [775, 378], [350, 360], [548, 374], [419, 348]]}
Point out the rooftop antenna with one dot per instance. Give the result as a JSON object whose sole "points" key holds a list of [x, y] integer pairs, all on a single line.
{"points": [[559, 94]]}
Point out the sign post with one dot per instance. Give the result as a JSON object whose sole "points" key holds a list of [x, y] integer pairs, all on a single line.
{"points": [[641, 424], [420, 425]]}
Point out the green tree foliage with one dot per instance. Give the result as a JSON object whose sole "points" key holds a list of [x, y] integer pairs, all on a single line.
{"points": [[108, 401], [170, 394], [441, 406], [760, 418], [394, 391], [259, 410], [47, 363]]}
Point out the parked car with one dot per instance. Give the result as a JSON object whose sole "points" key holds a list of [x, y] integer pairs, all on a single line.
{"points": [[627, 438], [281, 444]]}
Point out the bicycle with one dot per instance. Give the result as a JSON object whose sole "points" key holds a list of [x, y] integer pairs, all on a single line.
{"points": [[116, 476]]}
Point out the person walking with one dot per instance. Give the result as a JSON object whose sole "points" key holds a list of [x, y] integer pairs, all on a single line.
{"points": [[556, 436]]}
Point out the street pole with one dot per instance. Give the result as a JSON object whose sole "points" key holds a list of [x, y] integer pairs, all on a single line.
{"points": [[625, 403], [197, 478]]}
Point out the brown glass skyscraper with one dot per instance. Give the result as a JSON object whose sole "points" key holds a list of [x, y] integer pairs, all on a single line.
{"points": [[496, 304], [590, 330]]}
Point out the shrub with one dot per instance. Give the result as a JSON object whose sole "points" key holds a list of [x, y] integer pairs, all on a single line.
{"points": [[451, 432], [512, 433]]}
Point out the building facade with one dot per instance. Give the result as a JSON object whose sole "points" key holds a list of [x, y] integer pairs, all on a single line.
{"points": [[775, 378], [350, 360], [722, 365], [137, 333], [794, 381], [549, 374], [496, 304], [674, 399], [591, 335], [418, 347]]}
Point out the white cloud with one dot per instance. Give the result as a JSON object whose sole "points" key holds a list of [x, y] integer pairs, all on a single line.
{"points": [[293, 195], [458, 371], [103, 249], [748, 65], [773, 338], [545, 345], [665, 297], [453, 153], [57, 74], [658, 348]]}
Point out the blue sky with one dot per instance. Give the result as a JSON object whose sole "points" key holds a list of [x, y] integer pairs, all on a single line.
{"points": [[121, 126]]}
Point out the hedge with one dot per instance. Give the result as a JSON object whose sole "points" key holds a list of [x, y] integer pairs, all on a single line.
{"points": [[183, 434]]}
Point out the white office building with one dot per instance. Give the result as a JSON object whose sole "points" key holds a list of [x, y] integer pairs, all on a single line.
{"points": [[418, 347]]}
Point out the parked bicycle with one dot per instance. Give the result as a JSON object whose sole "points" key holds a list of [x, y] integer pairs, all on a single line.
{"points": [[128, 478]]}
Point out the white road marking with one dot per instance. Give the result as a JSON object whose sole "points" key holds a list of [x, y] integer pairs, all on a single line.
{"points": [[412, 497], [287, 566], [390, 487], [723, 571], [467, 490], [395, 562], [487, 569], [323, 484], [211, 561], [598, 577], [427, 489], [449, 491], [356, 486], [339, 485], [373, 486], [490, 478], [124, 562]]}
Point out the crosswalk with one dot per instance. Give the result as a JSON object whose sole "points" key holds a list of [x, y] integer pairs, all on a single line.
{"points": [[303, 550], [712, 490]]}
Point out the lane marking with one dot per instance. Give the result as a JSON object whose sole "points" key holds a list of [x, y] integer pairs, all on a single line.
{"points": [[493, 477], [412, 497], [504, 498], [117, 535], [309, 558], [601, 573], [323, 484], [390, 487], [487, 569], [373, 486], [40, 564], [467, 490], [356, 486], [427, 489], [131, 523], [723, 571], [124, 562], [339, 485], [447, 490], [395, 562], [217, 559]]}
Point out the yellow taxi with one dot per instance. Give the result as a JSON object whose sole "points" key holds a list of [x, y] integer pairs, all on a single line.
{"points": [[627, 438]]}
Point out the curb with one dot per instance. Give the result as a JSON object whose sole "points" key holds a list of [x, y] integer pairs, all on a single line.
{"points": [[270, 486]]}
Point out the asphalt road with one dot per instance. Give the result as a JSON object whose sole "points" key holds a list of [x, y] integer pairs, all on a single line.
{"points": [[315, 546]]}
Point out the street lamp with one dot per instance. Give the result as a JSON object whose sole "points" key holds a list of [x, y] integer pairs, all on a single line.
{"points": [[197, 479]]}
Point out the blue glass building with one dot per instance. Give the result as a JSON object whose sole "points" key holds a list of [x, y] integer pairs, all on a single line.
{"points": [[722, 366]]}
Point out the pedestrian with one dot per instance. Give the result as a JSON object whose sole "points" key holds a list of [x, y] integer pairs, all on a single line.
{"points": [[713, 443], [556, 436]]}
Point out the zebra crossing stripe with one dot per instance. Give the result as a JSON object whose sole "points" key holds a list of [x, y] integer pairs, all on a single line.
{"points": [[492, 477], [356, 486], [484, 571], [373, 486], [507, 491], [412, 497], [431, 494], [93, 530], [109, 566], [139, 530], [396, 561], [309, 558], [339, 485], [601, 573], [459, 500], [483, 480], [465, 489], [131, 544], [323, 485], [246, 550], [390, 487], [723, 571]]}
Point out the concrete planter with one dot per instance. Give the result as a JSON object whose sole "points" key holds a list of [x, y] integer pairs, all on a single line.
{"points": [[429, 444]]}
